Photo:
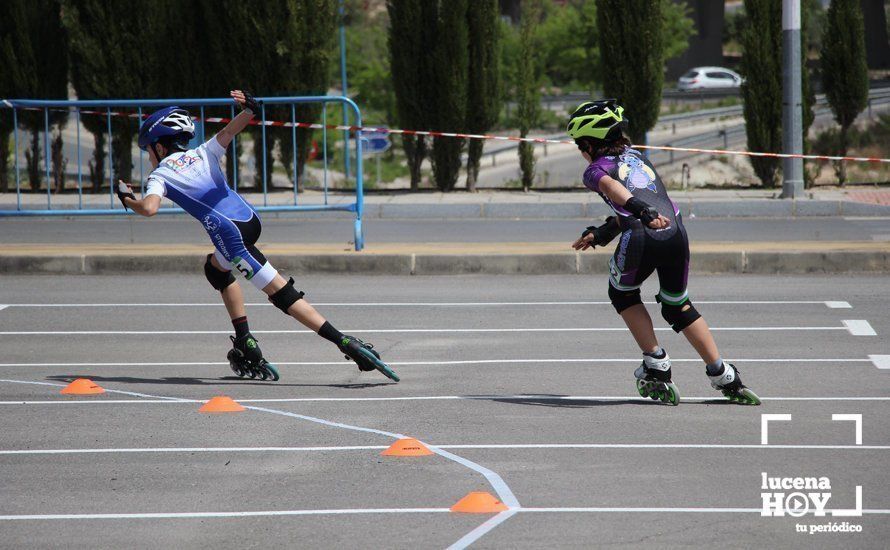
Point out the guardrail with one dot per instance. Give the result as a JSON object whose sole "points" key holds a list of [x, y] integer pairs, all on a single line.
{"points": [[134, 110]]}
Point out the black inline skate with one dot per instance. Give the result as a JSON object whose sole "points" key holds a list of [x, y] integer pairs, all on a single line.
{"points": [[247, 360], [365, 356], [654, 380], [730, 384]]}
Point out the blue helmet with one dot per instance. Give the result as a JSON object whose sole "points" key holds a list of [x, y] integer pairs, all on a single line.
{"points": [[168, 122]]}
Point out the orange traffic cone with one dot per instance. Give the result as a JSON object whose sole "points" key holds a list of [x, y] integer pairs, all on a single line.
{"points": [[221, 404], [479, 502], [82, 386], [407, 447]]}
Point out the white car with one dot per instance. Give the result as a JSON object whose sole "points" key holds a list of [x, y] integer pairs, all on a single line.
{"points": [[709, 77]]}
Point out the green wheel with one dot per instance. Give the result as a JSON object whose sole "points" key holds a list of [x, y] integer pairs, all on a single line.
{"points": [[273, 372], [380, 365]]}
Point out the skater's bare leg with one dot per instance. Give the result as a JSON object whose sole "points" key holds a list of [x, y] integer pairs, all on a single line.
{"points": [[699, 335], [234, 300], [640, 324], [232, 295], [301, 310]]}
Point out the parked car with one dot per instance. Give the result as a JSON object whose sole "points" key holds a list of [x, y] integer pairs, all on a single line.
{"points": [[709, 77]]}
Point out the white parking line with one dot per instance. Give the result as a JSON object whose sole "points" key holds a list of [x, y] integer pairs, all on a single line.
{"points": [[880, 361], [855, 329], [514, 446], [434, 304], [859, 327], [692, 399], [587, 361], [196, 515], [3, 306], [355, 511], [838, 305]]}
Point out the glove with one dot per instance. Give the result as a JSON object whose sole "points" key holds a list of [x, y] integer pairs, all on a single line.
{"points": [[251, 103], [123, 190], [641, 210], [603, 234]]}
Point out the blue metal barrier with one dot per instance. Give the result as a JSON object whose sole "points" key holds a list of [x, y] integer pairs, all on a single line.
{"points": [[201, 103]]}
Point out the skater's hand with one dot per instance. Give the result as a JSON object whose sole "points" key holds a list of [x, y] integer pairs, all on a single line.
{"points": [[585, 242], [245, 100], [659, 223]]}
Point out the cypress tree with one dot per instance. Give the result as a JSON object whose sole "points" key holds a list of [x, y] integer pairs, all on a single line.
{"points": [[305, 58], [844, 70], [112, 57], [448, 98], [412, 28], [761, 42], [527, 84], [42, 60], [483, 82], [16, 78], [632, 46]]}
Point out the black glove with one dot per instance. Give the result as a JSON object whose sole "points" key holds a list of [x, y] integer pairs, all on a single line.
{"points": [[641, 210], [603, 234], [251, 103], [123, 191]]}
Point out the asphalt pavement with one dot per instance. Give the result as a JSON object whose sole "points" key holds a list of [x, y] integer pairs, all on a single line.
{"points": [[522, 385]]}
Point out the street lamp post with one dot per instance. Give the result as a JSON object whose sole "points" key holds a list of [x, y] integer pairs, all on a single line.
{"points": [[792, 108]]}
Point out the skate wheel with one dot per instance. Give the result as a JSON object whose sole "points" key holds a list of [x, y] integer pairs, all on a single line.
{"points": [[671, 395], [273, 372], [748, 397], [251, 373], [263, 374]]}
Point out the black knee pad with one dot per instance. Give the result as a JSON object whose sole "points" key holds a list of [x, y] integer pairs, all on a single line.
{"points": [[217, 279], [679, 316], [286, 296], [623, 299]]}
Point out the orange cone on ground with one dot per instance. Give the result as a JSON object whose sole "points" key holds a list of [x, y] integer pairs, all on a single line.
{"points": [[82, 386], [479, 502], [407, 447], [221, 404]]}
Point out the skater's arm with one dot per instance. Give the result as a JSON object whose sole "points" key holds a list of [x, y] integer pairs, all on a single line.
{"points": [[249, 107], [147, 206], [619, 195]]}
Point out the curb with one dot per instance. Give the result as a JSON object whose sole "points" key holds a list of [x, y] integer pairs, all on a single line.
{"points": [[715, 262], [690, 207]]}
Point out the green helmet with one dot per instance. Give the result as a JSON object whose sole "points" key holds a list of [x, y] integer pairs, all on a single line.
{"points": [[601, 119]]}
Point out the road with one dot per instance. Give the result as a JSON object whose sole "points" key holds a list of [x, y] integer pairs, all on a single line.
{"points": [[527, 380], [185, 230]]}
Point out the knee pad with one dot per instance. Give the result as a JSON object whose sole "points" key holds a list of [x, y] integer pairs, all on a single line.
{"points": [[217, 279], [286, 296], [623, 299], [679, 316]]}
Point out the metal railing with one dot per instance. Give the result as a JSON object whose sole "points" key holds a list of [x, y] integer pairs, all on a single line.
{"points": [[197, 106]]}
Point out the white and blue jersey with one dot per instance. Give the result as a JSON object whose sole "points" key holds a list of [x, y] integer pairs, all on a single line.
{"points": [[194, 180]]}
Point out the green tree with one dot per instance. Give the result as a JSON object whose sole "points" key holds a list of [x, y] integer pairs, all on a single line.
{"points": [[633, 59], [761, 43], [483, 82], [810, 31], [411, 30], [111, 57], [43, 66], [16, 78], [305, 55], [527, 87], [449, 90], [844, 70]]}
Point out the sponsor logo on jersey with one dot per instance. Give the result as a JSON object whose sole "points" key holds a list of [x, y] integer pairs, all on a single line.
{"points": [[211, 223], [182, 162]]}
